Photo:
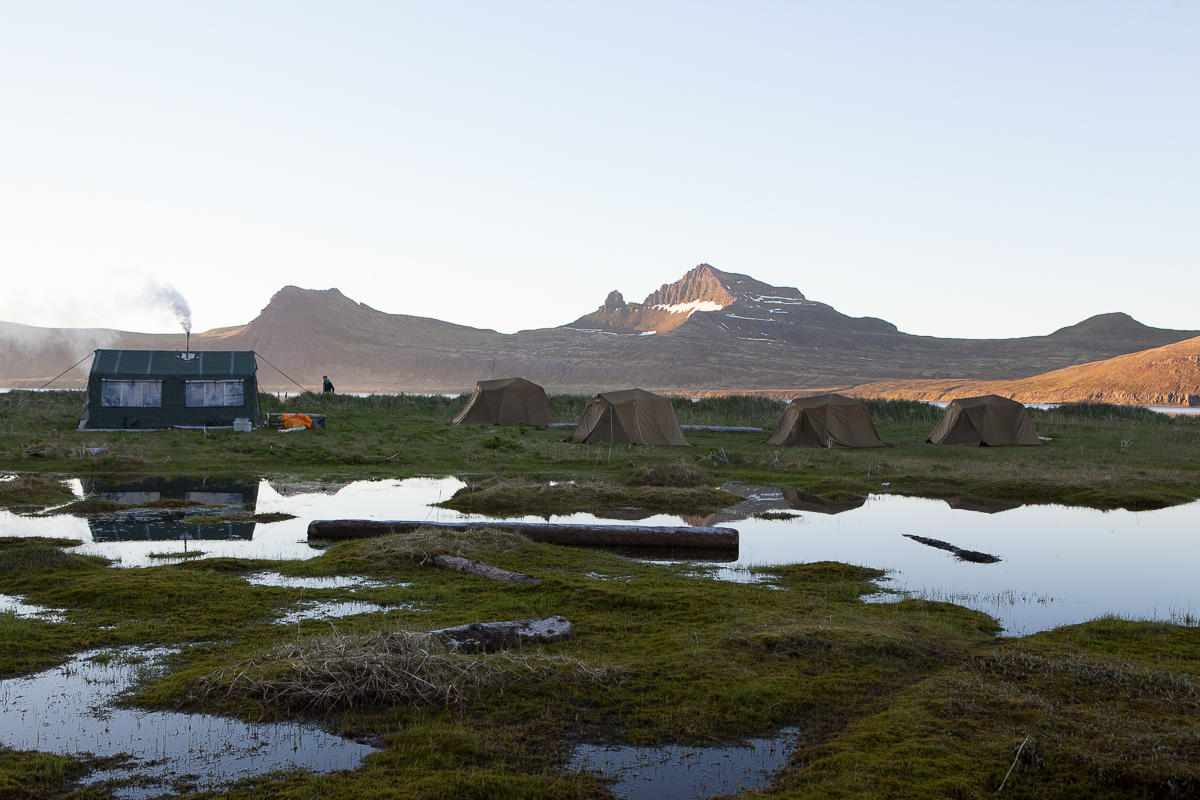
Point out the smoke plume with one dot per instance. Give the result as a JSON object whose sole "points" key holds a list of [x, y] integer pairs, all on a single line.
{"points": [[168, 297]]}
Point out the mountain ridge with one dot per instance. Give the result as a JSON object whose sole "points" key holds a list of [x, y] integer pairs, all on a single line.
{"points": [[705, 289], [753, 337]]}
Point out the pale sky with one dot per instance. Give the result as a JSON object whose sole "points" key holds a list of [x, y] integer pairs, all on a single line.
{"points": [[960, 169]]}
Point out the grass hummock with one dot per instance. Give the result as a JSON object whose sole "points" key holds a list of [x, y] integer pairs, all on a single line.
{"points": [[177, 555], [517, 495], [382, 669], [33, 490]]}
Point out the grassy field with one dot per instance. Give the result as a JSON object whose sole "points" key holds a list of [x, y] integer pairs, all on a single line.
{"points": [[1104, 456], [912, 699]]}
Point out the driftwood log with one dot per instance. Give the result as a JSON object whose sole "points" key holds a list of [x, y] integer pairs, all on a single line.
{"points": [[549, 533], [974, 556], [502, 635], [482, 570]]}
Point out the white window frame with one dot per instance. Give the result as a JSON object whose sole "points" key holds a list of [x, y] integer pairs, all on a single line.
{"points": [[130, 394], [214, 394]]}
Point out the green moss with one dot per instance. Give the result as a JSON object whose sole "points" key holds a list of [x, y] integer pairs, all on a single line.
{"points": [[37, 776], [39, 557], [1069, 724]]}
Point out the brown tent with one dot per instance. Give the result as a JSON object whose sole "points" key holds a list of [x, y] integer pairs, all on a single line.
{"points": [[506, 402], [829, 420], [990, 420], [628, 416]]}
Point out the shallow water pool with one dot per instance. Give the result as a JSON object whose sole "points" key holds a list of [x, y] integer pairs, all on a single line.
{"points": [[69, 710], [1058, 565]]}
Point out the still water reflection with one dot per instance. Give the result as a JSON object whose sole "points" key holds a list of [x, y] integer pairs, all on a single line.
{"points": [[1057, 566], [679, 771], [70, 710]]}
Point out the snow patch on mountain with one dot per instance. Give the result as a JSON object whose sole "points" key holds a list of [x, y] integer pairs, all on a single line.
{"points": [[690, 308]]}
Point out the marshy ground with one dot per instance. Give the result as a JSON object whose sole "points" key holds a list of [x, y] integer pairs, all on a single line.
{"points": [[906, 699]]}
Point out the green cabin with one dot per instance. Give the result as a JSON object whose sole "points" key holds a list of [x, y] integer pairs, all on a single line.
{"points": [[142, 389]]}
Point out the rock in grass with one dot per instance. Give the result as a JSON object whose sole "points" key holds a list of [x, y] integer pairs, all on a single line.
{"points": [[489, 636]]}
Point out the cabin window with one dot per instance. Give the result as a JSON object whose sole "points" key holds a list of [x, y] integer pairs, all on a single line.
{"points": [[205, 394], [130, 394]]}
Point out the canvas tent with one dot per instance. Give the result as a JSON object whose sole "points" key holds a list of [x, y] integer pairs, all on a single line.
{"points": [[506, 402], [163, 389], [629, 416], [828, 420], [987, 420]]}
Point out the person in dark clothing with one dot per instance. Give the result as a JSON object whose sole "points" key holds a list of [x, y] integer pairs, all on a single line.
{"points": [[327, 386]]}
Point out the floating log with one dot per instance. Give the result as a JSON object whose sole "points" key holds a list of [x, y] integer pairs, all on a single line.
{"points": [[500, 635], [549, 533], [974, 556], [482, 570], [720, 429]]}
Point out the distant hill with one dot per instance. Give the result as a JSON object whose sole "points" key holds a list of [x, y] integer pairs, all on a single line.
{"points": [[1163, 376], [709, 331]]}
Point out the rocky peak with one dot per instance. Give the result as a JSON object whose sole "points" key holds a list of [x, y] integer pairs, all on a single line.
{"points": [[614, 301], [700, 286], [742, 307]]}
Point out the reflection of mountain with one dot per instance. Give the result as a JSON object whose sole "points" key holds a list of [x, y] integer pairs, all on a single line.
{"points": [[760, 499], [299, 488], [162, 525], [982, 506], [805, 501]]}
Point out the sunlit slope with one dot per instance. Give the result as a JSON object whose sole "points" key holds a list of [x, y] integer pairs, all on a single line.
{"points": [[1163, 376]]}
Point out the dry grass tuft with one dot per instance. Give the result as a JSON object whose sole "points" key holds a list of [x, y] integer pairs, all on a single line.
{"points": [[677, 474], [340, 671]]}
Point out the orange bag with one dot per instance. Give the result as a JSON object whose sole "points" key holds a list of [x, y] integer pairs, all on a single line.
{"points": [[296, 421]]}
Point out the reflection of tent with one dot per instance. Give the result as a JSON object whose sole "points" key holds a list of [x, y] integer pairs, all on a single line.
{"points": [[829, 420], [990, 420], [168, 389], [506, 402], [628, 416]]}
